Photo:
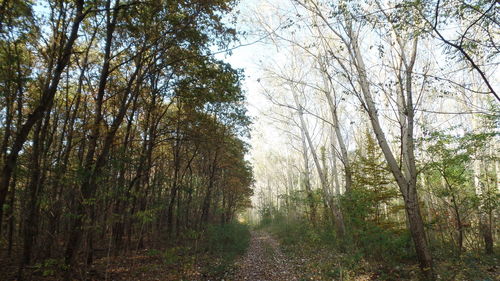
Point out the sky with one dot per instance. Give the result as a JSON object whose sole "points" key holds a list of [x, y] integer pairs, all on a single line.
{"points": [[247, 54]]}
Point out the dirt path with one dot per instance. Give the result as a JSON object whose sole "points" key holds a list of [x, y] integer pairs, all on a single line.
{"points": [[264, 261]]}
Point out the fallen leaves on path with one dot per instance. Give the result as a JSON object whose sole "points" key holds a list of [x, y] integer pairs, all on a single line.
{"points": [[264, 261]]}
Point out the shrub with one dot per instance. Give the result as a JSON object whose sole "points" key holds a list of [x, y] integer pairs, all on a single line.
{"points": [[228, 240]]}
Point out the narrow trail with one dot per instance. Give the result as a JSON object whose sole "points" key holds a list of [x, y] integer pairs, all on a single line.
{"points": [[264, 261]]}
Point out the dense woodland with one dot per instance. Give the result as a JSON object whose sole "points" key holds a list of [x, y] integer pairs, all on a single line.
{"points": [[375, 154], [119, 127]]}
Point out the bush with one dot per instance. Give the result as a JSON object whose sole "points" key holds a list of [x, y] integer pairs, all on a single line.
{"points": [[377, 238], [228, 240]]}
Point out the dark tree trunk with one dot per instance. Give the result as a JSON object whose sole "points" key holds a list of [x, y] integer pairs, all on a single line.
{"points": [[487, 233], [205, 214], [43, 106]]}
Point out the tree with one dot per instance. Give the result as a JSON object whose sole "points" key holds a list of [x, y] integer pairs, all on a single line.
{"points": [[406, 174], [114, 112], [63, 46], [373, 178], [452, 164]]}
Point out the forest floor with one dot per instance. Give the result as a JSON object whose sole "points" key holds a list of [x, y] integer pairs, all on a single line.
{"points": [[270, 256], [264, 261]]}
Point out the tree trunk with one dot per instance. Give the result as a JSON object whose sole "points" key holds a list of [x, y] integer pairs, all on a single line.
{"points": [[205, 214], [43, 106], [487, 233], [307, 179], [407, 184], [336, 126], [332, 204]]}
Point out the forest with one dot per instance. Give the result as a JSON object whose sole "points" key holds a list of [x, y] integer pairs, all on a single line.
{"points": [[249, 140]]}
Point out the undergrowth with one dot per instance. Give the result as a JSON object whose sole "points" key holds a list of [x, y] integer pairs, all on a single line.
{"points": [[207, 254], [225, 243], [373, 253]]}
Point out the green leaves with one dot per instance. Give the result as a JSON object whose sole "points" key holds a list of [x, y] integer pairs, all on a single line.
{"points": [[228, 240]]}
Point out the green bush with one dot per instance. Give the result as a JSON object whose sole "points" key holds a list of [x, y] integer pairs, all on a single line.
{"points": [[377, 238], [228, 240]]}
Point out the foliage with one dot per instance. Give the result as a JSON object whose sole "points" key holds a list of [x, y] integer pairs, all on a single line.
{"points": [[228, 240], [121, 128], [373, 185], [50, 267], [452, 175], [370, 206]]}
